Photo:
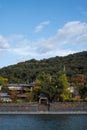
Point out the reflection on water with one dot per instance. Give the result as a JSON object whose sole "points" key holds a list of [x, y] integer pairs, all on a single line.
{"points": [[43, 122]]}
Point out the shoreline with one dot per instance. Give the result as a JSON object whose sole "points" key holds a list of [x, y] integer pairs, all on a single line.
{"points": [[46, 113], [35, 108]]}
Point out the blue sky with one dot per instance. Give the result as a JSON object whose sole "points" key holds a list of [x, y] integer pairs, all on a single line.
{"points": [[37, 29]]}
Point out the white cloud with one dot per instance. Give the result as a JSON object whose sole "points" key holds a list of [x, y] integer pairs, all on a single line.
{"points": [[70, 31], [23, 48], [15, 37], [73, 32], [3, 43], [41, 26], [23, 51], [69, 39]]}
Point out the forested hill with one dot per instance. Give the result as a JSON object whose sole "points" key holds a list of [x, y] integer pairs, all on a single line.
{"points": [[28, 71]]}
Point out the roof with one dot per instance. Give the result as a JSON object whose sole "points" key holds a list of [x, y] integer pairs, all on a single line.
{"points": [[21, 85], [42, 95], [3, 94]]}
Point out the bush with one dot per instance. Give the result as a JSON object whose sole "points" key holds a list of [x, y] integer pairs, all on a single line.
{"points": [[72, 100], [85, 99]]}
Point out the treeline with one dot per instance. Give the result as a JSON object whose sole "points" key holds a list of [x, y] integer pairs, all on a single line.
{"points": [[25, 72]]}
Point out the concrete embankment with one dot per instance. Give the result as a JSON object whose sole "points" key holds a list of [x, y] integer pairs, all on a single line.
{"points": [[52, 108]]}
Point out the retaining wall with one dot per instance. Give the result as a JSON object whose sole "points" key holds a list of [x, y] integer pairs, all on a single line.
{"points": [[35, 107], [69, 106]]}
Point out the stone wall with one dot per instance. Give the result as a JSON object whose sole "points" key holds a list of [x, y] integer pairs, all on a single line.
{"points": [[35, 107], [11, 107], [68, 106]]}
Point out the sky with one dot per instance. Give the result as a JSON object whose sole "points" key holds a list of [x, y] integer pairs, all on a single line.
{"points": [[38, 29]]}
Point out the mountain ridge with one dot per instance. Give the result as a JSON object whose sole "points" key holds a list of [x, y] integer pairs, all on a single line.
{"points": [[28, 71]]}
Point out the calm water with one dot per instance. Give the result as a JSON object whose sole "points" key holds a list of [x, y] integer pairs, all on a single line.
{"points": [[43, 122]]}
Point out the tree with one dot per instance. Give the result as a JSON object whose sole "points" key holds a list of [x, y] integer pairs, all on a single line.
{"points": [[5, 89], [1, 80], [63, 87], [48, 88], [29, 96], [44, 81], [83, 90], [36, 93], [55, 87]]}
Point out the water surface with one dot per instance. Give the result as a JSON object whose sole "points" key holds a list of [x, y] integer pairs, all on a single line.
{"points": [[43, 122]]}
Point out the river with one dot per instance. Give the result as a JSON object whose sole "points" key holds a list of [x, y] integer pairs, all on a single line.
{"points": [[43, 122]]}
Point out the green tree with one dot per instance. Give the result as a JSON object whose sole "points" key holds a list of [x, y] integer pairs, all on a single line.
{"points": [[55, 87], [63, 88], [5, 89], [83, 90], [44, 81], [36, 93], [1, 80]]}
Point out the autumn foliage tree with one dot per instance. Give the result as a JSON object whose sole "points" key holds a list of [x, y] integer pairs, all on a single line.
{"points": [[3, 81]]}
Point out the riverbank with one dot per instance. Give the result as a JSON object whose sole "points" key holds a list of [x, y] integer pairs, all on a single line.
{"points": [[52, 108], [46, 113]]}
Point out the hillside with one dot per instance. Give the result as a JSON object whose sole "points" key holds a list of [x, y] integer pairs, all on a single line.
{"points": [[28, 71]]}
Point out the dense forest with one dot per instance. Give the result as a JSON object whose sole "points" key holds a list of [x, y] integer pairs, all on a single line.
{"points": [[25, 72]]}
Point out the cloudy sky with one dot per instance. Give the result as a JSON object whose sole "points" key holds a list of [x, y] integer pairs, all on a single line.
{"points": [[41, 29]]}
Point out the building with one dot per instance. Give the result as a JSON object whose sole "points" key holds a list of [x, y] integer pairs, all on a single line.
{"points": [[5, 97]]}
